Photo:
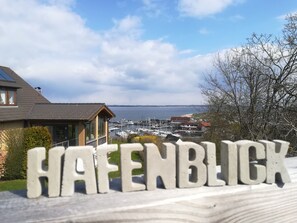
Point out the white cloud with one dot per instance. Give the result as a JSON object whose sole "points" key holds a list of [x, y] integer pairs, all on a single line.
{"points": [[284, 16], [202, 8], [236, 18], [62, 3], [153, 8], [45, 43], [50, 45], [129, 24], [203, 31]]}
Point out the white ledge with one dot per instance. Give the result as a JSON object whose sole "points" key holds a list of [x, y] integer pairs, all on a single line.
{"points": [[9, 106], [240, 203]]}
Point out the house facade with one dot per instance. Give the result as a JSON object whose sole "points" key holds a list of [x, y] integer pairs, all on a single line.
{"points": [[70, 124]]}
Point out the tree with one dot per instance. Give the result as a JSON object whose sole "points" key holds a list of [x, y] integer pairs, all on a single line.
{"points": [[254, 87]]}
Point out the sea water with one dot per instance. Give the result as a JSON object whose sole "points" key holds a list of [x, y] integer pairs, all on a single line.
{"points": [[137, 113]]}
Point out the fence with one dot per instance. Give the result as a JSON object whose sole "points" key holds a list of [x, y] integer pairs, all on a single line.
{"points": [[100, 140]]}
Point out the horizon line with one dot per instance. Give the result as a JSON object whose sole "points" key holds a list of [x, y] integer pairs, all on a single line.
{"points": [[123, 105]]}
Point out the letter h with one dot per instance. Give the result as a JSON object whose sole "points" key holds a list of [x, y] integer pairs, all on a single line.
{"points": [[37, 171]]}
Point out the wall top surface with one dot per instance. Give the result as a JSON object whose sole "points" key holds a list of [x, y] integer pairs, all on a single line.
{"points": [[257, 203]]}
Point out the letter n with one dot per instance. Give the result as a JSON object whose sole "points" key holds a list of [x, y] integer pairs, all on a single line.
{"points": [[160, 165]]}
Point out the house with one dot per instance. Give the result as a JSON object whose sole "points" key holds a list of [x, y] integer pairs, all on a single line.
{"points": [[70, 124], [179, 119], [204, 125]]}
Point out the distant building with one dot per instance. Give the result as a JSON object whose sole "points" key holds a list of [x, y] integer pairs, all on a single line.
{"points": [[204, 125], [70, 124], [180, 119]]}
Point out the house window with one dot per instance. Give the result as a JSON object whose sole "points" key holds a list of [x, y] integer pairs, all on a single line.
{"points": [[7, 97], [3, 97], [101, 126], [90, 130]]}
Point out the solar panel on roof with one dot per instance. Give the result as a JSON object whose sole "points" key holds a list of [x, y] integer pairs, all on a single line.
{"points": [[4, 76]]}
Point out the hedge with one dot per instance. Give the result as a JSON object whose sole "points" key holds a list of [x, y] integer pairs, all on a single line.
{"points": [[35, 137], [14, 157], [19, 141]]}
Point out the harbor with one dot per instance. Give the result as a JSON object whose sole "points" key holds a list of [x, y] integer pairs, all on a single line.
{"points": [[177, 127]]}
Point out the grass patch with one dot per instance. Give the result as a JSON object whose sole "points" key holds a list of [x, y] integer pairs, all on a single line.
{"points": [[13, 185], [115, 158]]}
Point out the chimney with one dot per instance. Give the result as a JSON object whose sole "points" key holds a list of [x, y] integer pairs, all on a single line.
{"points": [[38, 89]]}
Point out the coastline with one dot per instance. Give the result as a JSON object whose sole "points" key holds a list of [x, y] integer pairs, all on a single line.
{"points": [[138, 113]]}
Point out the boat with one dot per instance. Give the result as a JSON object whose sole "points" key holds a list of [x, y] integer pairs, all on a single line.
{"points": [[122, 134]]}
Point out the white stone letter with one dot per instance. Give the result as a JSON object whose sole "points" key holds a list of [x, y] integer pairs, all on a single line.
{"points": [[70, 174], [127, 165], [103, 166], [211, 164], [160, 165], [251, 172], [190, 158], [275, 166], [36, 171], [229, 162]]}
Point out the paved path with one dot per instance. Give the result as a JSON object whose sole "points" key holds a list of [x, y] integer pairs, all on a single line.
{"points": [[241, 203]]}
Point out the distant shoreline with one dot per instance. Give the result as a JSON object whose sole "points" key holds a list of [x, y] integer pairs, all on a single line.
{"points": [[162, 112], [157, 105]]}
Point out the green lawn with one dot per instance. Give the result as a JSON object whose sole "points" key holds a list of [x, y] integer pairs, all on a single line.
{"points": [[12, 185], [115, 159]]}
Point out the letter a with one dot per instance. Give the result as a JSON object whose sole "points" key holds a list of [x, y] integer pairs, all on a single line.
{"points": [[70, 174]]}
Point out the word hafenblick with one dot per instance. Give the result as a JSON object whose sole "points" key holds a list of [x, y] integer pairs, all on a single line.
{"points": [[183, 165]]}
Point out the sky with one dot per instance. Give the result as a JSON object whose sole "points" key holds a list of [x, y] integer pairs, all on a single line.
{"points": [[128, 52]]}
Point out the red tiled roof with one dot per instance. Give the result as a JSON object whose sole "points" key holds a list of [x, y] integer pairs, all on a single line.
{"points": [[205, 124]]}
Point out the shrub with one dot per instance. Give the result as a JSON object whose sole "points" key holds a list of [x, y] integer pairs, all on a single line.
{"points": [[131, 137], [37, 136], [19, 141], [14, 142], [147, 139], [3, 153]]}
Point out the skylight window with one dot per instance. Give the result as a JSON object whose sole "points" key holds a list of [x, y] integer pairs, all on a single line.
{"points": [[5, 77]]}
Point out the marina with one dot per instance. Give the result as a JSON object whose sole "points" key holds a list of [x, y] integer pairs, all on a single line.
{"points": [[162, 121], [161, 128]]}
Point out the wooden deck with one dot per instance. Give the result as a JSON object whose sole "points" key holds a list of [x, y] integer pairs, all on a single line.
{"points": [[241, 203]]}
